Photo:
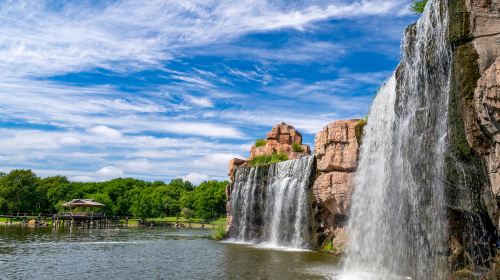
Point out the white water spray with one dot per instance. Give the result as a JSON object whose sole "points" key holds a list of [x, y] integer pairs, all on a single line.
{"points": [[397, 227]]}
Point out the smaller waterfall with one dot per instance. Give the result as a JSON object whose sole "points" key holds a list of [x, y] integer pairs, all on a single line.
{"points": [[270, 204]]}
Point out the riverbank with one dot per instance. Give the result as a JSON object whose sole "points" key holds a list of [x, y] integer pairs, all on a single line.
{"points": [[131, 222]]}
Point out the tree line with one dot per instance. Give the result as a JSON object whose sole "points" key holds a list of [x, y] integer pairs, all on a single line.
{"points": [[22, 191]]}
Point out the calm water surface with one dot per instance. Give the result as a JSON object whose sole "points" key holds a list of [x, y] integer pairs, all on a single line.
{"points": [[137, 253]]}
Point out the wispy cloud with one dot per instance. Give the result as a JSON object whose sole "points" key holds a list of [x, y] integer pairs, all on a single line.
{"points": [[40, 40], [159, 89]]}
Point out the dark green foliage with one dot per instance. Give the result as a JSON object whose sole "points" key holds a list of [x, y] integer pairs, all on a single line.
{"points": [[297, 148], [268, 159], [22, 191], [418, 6], [18, 191], [260, 143], [209, 199]]}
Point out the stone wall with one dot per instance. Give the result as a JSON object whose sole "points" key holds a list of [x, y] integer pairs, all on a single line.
{"points": [[336, 149]]}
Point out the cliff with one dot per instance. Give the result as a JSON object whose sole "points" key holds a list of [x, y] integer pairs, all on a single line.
{"points": [[472, 163], [336, 149]]}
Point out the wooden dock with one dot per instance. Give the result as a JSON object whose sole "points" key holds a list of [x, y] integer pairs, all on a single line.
{"points": [[86, 220]]}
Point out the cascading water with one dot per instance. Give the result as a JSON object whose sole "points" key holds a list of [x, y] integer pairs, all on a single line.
{"points": [[397, 227], [271, 205]]}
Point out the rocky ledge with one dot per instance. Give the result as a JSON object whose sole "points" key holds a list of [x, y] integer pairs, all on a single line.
{"points": [[336, 148]]}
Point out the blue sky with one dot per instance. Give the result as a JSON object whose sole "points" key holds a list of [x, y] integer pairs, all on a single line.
{"points": [[156, 90]]}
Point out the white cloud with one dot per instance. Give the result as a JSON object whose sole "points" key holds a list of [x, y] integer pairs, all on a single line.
{"points": [[196, 178], [204, 102], [105, 131], [109, 172], [83, 178], [76, 36], [69, 140]]}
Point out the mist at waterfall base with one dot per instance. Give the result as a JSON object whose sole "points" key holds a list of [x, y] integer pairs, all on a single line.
{"points": [[271, 205], [397, 227]]}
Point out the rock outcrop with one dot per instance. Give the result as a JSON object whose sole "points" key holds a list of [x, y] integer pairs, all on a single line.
{"points": [[473, 187], [484, 22], [282, 139], [336, 149], [487, 104]]}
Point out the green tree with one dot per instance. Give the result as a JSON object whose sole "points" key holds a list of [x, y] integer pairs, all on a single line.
{"points": [[49, 185], [210, 199], [17, 189], [418, 6], [104, 199]]}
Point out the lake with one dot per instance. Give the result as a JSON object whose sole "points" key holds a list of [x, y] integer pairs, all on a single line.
{"points": [[140, 253]]}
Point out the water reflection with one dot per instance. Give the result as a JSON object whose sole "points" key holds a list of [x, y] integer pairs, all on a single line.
{"points": [[136, 253]]}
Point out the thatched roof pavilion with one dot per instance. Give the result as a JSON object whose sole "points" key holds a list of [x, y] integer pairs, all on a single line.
{"points": [[79, 202]]}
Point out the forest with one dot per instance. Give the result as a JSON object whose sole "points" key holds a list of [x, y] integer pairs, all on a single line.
{"points": [[22, 191]]}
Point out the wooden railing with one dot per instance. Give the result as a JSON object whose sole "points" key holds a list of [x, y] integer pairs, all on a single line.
{"points": [[81, 214]]}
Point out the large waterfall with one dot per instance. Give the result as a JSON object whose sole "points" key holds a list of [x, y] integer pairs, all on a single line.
{"points": [[271, 204], [398, 227]]}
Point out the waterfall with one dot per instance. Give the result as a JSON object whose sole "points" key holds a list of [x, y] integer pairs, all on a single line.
{"points": [[271, 205], [398, 227]]}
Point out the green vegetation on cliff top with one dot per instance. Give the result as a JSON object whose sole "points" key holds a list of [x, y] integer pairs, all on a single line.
{"points": [[297, 148], [260, 143], [268, 159]]}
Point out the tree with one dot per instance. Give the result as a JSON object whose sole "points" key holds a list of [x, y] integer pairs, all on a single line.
{"points": [[418, 6], [46, 189], [17, 189], [210, 199]]}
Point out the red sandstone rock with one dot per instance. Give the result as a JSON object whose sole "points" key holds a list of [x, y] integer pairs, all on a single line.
{"points": [[336, 149], [280, 140]]}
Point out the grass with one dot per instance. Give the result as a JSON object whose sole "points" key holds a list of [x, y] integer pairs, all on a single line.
{"points": [[297, 148], [181, 220], [268, 159], [260, 143], [219, 231], [135, 221]]}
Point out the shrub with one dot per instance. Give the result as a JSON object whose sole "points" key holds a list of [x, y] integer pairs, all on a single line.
{"points": [[268, 159], [418, 6], [297, 148], [260, 143], [329, 247], [358, 129], [219, 231], [186, 213]]}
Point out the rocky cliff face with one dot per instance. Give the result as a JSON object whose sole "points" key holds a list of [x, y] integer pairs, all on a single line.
{"points": [[336, 149], [473, 159]]}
